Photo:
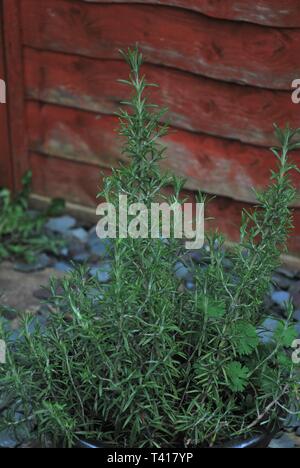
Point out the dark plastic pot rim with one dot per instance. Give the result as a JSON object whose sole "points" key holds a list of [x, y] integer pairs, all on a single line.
{"points": [[259, 441]]}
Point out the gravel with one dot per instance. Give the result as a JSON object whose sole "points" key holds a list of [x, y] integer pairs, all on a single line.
{"points": [[181, 271], [79, 234], [63, 267], [42, 262], [61, 225], [102, 272], [281, 298]]}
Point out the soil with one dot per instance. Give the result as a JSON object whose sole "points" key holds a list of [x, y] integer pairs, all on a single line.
{"points": [[18, 291]]}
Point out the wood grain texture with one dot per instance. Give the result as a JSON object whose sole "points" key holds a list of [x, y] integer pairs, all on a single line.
{"points": [[78, 183], [195, 104], [227, 218], [213, 165], [265, 12], [6, 174], [15, 88], [229, 51]]}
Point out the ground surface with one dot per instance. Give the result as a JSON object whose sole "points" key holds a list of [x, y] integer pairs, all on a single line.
{"points": [[20, 291]]}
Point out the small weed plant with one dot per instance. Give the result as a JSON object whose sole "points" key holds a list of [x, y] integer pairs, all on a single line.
{"points": [[22, 233]]}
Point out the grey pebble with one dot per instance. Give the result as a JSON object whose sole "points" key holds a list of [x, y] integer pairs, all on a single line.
{"points": [[79, 234], [199, 256], [190, 286], [61, 225], [42, 262], [297, 315], [281, 298], [82, 257], [64, 252], [181, 271], [283, 442], [63, 267], [281, 281], [7, 440], [102, 272], [267, 330], [99, 248], [285, 272]]}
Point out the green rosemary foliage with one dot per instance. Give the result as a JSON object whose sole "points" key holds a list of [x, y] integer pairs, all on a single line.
{"points": [[264, 233], [141, 127], [147, 363], [21, 234]]}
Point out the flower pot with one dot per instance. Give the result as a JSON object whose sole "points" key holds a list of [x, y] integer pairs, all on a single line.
{"points": [[259, 441]]}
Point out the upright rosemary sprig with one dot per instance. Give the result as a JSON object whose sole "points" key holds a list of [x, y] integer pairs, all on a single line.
{"points": [[265, 231], [141, 128]]}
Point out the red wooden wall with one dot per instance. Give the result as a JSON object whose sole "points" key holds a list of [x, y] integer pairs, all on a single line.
{"points": [[225, 68], [6, 176]]}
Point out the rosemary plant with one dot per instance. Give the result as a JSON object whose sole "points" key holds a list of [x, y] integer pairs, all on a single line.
{"points": [[148, 363]]}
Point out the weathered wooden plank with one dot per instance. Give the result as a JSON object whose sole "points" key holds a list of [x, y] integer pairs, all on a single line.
{"points": [[265, 12], [230, 51], [214, 165], [227, 218], [196, 104], [78, 183], [224, 214], [15, 88], [72, 134], [6, 175]]}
